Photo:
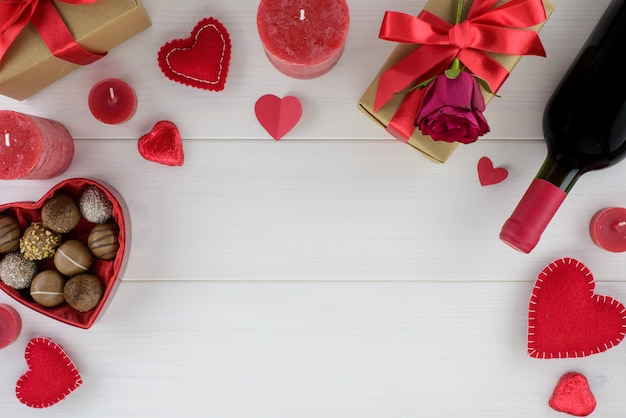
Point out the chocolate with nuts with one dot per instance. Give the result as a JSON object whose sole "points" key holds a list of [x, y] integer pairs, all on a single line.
{"points": [[39, 242]]}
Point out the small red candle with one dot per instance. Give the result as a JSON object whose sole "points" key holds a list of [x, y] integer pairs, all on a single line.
{"points": [[112, 101], [608, 229], [10, 325], [32, 147], [303, 38]]}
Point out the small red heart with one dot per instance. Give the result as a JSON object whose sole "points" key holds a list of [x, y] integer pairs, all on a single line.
{"points": [[566, 318], [109, 271], [201, 60], [50, 377], [488, 175], [573, 396], [162, 144], [278, 116]]}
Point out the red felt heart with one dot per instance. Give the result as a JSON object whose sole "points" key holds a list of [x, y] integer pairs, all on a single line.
{"points": [[278, 116], [201, 60], [163, 144], [488, 175], [573, 396], [566, 318], [109, 271], [50, 377]]}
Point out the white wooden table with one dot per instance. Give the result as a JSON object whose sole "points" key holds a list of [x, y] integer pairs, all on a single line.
{"points": [[334, 273]]}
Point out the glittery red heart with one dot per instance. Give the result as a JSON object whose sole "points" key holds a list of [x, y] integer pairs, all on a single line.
{"points": [[201, 60], [51, 375], [573, 396], [566, 318], [163, 144], [488, 174], [109, 271]]}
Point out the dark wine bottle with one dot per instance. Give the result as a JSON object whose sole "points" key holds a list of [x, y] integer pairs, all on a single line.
{"points": [[584, 126]]}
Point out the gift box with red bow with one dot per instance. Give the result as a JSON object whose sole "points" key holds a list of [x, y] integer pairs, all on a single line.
{"points": [[44, 40], [489, 41]]}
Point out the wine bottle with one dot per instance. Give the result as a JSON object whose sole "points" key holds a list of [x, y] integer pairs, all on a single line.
{"points": [[584, 125]]}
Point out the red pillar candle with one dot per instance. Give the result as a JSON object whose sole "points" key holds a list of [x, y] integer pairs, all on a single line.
{"points": [[303, 38], [32, 147], [608, 229], [112, 101], [10, 325]]}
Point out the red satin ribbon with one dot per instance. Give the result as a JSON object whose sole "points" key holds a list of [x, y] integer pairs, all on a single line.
{"points": [[15, 14], [502, 29]]}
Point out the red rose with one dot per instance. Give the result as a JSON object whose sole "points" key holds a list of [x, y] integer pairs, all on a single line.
{"points": [[452, 109]]}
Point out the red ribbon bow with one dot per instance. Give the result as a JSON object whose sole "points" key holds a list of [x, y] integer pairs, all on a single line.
{"points": [[15, 14], [502, 29]]}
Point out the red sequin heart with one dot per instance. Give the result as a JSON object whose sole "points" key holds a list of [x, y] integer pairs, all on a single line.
{"points": [[109, 271], [201, 60], [488, 174], [573, 396], [566, 318], [163, 144], [51, 375]]}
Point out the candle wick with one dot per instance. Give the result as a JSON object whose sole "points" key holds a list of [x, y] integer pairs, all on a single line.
{"points": [[302, 17], [112, 93], [7, 139], [620, 224]]}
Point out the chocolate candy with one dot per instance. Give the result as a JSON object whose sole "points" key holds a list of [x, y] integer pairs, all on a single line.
{"points": [[95, 205], [47, 288], [39, 242], [60, 213], [83, 292], [72, 257], [10, 233], [16, 271], [103, 241]]}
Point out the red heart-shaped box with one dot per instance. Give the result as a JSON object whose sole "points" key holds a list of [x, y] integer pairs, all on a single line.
{"points": [[109, 271]]}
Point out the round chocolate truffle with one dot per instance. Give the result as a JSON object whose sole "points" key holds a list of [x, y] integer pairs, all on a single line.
{"points": [[47, 288], [72, 257], [95, 205], [16, 271], [39, 242], [83, 292], [60, 213], [103, 241], [10, 233]]}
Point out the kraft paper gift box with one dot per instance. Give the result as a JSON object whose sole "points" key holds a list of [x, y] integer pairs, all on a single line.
{"points": [[437, 151], [28, 65]]}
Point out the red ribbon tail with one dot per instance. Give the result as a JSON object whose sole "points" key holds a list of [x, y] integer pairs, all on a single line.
{"points": [[402, 124]]}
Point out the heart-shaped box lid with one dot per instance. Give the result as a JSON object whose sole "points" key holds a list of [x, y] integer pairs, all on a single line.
{"points": [[109, 271]]}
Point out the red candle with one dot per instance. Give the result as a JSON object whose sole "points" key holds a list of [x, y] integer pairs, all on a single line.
{"points": [[608, 229], [32, 147], [303, 38], [10, 325], [112, 101]]}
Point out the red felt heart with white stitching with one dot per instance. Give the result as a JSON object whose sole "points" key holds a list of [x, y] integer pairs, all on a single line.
{"points": [[109, 271], [50, 377], [201, 60], [566, 318]]}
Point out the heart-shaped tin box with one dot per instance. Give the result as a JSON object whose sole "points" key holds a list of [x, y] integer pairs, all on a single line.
{"points": [[109, 271]]}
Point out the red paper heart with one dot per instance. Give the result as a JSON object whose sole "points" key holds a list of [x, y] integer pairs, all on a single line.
{"points": [[163, 144], [278, 116], [109, 271], [573, 396], [488, 175], [201, 60], [50, 377], [566, 318]]}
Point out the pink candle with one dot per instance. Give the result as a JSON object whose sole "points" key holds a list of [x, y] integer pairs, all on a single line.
{"points": [[608, 229], [303, 38], [32, 147], [112, 101], [10, 325]]}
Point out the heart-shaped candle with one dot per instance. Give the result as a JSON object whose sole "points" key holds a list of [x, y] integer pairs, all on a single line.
{"points": [[108, 271], [566, 318], [201, 60]]}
